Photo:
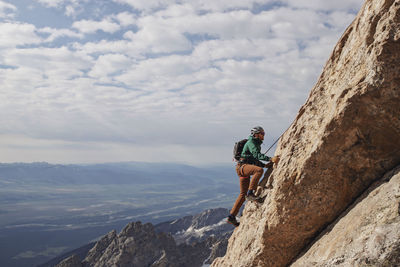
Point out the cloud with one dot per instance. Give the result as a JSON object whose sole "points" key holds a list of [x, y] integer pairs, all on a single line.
{"points": [[60, 63], [51, 3], [7, 10], [107, 46], [91, 26], [146, 4], [325, 5], [234, 24], [171, 71], [40, 86], [13, 34], [71, 7], [125, 18], [225, 5], [156, 38], [109, 65], [242, 48], [59, 33]]}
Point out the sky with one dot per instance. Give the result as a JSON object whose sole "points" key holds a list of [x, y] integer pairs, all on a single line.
{"points": [[90, 81]]}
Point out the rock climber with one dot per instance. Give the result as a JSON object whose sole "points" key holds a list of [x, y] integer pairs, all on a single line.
{"points": [[250, 167]]}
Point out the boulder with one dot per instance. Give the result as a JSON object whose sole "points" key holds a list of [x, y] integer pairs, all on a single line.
{"points": [[345, 137]]}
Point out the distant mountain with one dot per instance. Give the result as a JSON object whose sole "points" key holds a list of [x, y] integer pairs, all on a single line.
{"points": [[108, 173], [189, 241]]}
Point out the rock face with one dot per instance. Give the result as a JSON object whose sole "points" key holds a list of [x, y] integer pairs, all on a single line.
{"points": [[367, 235], [345, 137]]}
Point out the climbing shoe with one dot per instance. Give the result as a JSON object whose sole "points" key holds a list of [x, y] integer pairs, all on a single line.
{"points": [[250, 196], [232, 220]]}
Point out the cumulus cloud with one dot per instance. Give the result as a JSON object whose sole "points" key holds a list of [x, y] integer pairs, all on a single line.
{"points": [[71, 7], [108, 46], [59, 33], [91, 26], [60, 61], [156, 38], [325, 5], [108, 65], [125, 18], [51, 3], [13, 34], [223, 5]]}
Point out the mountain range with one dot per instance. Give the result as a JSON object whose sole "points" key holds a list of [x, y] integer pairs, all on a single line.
{"points": [[194, 240]]}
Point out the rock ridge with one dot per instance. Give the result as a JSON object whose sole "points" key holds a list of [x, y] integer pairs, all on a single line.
{"points": [[189, 241]]}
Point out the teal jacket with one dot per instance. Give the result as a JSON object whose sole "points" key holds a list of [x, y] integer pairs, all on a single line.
{"points": [[252, 152]]}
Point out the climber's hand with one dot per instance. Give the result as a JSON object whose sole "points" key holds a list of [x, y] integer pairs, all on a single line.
{"points": [[275, 159]]}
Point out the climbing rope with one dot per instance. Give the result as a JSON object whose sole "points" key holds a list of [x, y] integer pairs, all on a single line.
{"points": [[277, 139]]}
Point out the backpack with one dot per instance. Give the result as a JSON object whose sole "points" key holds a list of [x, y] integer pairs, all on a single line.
{"points": [[237, 149]]}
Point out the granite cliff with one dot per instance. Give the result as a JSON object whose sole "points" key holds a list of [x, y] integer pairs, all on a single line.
{"points": [[345, 138]]}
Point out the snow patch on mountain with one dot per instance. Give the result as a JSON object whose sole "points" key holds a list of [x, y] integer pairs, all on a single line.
{"points": [[200, 232]]}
